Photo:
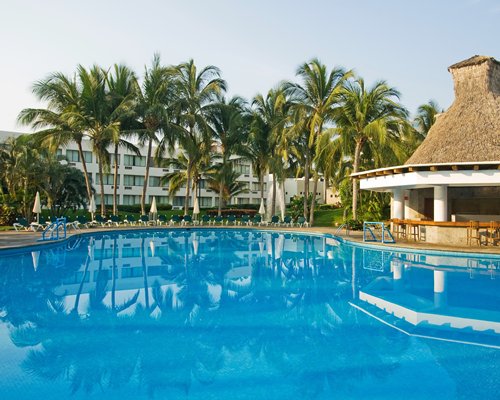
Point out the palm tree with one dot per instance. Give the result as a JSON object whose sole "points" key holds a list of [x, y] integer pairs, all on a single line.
{"points": [[426, 116], [368, 117], [157, 95], [123, 89], [224, 182], [316, 99], [56, 124], [227, 120], [196, 93], [270, 118]]}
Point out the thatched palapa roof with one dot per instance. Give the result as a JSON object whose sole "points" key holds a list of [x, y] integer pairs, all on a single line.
{"points": [[469, 131]]}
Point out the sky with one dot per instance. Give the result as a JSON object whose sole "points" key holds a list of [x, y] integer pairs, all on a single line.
{"points": [[255, 43]]}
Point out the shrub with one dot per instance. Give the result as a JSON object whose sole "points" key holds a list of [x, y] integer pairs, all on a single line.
{"points": [[7, 215], [136, 208], [232, 211], [354, 224]]}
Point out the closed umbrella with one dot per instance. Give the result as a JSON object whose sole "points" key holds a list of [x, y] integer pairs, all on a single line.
{"points": [[37, 207], [196, 208], [262, 209], [92, 207], [153, 210]]}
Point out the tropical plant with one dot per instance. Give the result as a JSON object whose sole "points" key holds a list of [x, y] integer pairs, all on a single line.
{"points": [[227, 120], [224, 181], [426, 116], [57, 125], [316, 100], [196, 91], [123, 92], [155, 99], [368, 120]]}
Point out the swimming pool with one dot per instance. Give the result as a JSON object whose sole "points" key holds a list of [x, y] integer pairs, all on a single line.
{"points": [[245, 314]]}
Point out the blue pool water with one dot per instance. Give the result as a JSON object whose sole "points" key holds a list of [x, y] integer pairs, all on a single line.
{"points": [[240, 314]]}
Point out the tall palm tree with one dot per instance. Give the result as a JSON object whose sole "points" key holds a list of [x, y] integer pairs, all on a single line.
{"points": [[196, 91], [155, 98], [317, 98], [56, 124], [368, 117], [270, 118], [99, 117], [123, 89], [227, 120]]}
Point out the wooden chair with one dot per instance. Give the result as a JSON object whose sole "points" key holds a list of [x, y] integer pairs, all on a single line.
{"points": [[413, 231], [493, 233], [473, 233], [399, 227]]}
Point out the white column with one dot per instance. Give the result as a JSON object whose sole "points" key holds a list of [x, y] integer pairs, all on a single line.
{"points": [[398, 204], [440, 203]]}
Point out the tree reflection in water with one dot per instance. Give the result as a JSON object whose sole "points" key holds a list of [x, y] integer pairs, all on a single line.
{"points": [[218, 318]]}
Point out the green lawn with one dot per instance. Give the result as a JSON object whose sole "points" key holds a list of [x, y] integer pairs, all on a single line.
{"points": [[328, 217]]}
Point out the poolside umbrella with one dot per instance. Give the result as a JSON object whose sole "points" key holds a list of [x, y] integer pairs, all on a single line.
{"points": [[195, 246], [35, 255], [154, 209], [37, 207], [196, 208], [92, 207], [262, 209]]}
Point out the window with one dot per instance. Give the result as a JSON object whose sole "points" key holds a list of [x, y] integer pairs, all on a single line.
{"points": [[133, 180], [161, 199], [241, 168], [243, 200], [112, 159], [205, 201], [130, 200], [255, 186], [202, 183], [178, 201], [59, 153], [134, 161], [108, 199], [108, 179], [154, 181], [74, 156]]}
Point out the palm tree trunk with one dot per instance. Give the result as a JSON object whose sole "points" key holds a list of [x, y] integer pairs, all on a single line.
{"points": [[103, 203], [188, 188], [306, 188], [221, 188], [84, 166], [115, 183], [355, 168], [315, 189], [261, 178], [273, 203], [146, 178]]}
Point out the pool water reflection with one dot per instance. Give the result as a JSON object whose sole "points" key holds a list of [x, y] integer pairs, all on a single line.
{"points": [[226, 314]]}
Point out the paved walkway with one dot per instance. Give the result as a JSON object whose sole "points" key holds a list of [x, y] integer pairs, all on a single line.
{"points": [[12, 239]]}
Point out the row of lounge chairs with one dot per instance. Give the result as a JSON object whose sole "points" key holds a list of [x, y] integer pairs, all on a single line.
{"points": [[162, 220]]}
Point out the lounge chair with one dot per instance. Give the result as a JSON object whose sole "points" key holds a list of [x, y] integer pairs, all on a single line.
{"points": [[187, 220], [100, 220], [115, 220], [162, 219], [21, 224], [175, 219], [205, 219], [244, 220], [231, 219], [287, 221], [129, 220], [219, 220], [82, 221], [256, 220], [275, 220], [144, 220], [301, 222]]}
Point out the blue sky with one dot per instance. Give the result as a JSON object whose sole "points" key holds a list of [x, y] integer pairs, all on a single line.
{"points": [[255, 43]]}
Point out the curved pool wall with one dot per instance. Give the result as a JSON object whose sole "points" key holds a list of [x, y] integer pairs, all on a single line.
{"points": [[229, 313]]}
